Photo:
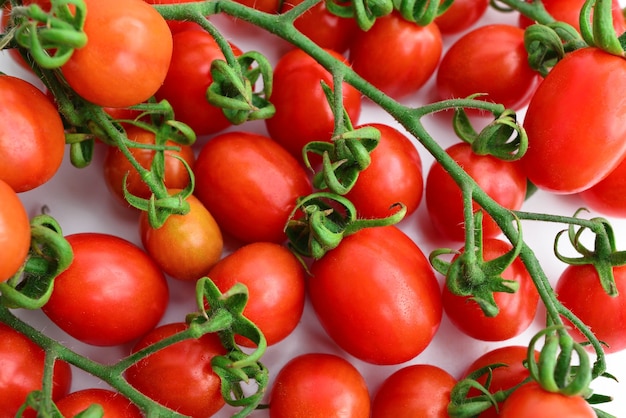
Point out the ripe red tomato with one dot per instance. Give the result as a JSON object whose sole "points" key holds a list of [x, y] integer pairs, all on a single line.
{"points": [[562, 130], [531, 401], [189, 77], [113, 404], [579, 289], [14, 232], [302, 111], [32, 137], [187, 246], [112, 292], [21, 372], [319, 385], [517, 310], [503, 181], [126, 57], [461, 15], [386, 54], [250, 184], [376, 296], [394, 175], [275, 281], [508, 79], [180, 376], [267, 6], [116, 166], [418, 390], [608, 196]]}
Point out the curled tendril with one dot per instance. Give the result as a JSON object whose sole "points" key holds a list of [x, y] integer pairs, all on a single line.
{"points": [[599, 31], [422, 12], [548, 44]]}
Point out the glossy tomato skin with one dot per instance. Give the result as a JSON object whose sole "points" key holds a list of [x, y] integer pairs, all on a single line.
{"points": [[503, 181], [461, 15], [531, 401], [508, 79], [187, 246], [180, 376], [579, 289], [561, 129], [136, 61], [418, 390], [297, 79], [189, 77], [399, 44], [250, 185], [111, 294], [14, 232], [21, 372], [275, 279], [394, 175], [608, 196], [32, 137], [516, 310], [319, 385], [376, 296], [113, 404]]}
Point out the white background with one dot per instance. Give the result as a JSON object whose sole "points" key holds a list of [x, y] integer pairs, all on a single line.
{"points": [[79, 200]]}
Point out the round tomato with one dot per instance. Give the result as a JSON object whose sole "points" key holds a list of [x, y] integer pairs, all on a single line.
{"points": [[386, 54], [113, 404], [21, 372], [569, 147], [116, 166], [394, 175], [32, 137], [250, 184], [516, 310], [126, 57], [275, 281], [531, 401], [14, 232], [302, 111], [418, 390], [189, 77], [376, 296], [503, 181], [579, 290], [608, 196], [180, 376], [508, 79], [319, 385], [461, 15], [112, 292]]}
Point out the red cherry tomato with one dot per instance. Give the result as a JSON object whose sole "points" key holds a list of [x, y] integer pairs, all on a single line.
{"points": [[376, 296], [112, 292], [14, 232], [531, 400], [319, 385], [113, 404], [608, 196], [32, 139], [461, 15]]}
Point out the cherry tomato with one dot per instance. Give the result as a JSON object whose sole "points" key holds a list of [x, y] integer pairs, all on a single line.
{"points": [[180, 376], [508, 79], [112, 292], [21, 372], [562, 130], [319, 385], [302, 111], [250, 184], [503, 181], [120, 67], [386, 54], [376, 296], [32, 137], [275, 281], [608, 196], [116, 166], [579, 289], [189, 77], [113, 404], [461, 15], [516, 310], [531, 401], [14, 232], [418, 390], [394, 175]]}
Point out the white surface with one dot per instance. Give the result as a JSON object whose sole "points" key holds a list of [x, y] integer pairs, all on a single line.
{"points": [[80, 202]]}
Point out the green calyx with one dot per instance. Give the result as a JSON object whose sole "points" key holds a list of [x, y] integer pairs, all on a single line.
{"points": [[365, 12]]}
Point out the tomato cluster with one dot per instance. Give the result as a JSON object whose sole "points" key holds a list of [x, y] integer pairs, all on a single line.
{"points": [[350, 333]]}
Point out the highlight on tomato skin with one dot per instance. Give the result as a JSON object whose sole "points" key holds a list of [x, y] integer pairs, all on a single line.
{"points": [[14, 232]]}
